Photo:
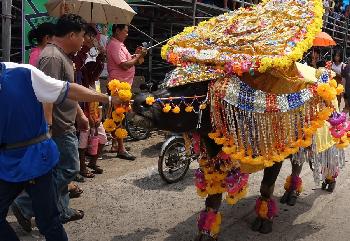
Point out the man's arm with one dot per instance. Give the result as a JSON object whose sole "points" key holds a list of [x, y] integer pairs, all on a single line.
{"points": [[121, 59], [81, 119], [50, 90]]}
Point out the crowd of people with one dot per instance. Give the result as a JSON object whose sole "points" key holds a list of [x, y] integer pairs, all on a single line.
{"points": [[73, 51], [340, 69]]}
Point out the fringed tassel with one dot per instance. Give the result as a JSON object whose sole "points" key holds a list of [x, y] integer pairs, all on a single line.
{"points": [[209, 222], [266, 208], [326, 164], [294, 183], [329, 162]]}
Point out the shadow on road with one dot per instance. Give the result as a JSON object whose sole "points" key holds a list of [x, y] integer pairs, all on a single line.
{"points": [[237, 220], [136, 236], [152, 151], [154, 182]]}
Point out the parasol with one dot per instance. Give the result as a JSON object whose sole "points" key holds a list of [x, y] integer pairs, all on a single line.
{"points": [[93, 11], [323, 39]]}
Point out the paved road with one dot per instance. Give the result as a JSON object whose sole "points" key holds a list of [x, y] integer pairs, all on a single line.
{"points": [[129, 202]]}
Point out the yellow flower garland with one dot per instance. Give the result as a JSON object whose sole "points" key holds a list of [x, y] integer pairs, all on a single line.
{"points": [[123, 91], [121, 133], [109, 125]]}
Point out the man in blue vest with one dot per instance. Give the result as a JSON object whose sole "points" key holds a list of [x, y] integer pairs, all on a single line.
{"points": [[27, 153]]}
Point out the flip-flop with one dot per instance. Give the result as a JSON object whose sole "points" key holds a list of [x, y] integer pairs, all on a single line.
{"points": [[126, 156], [96, 168], [76, 192], [87, 174], [78, 214], [79, 178]]}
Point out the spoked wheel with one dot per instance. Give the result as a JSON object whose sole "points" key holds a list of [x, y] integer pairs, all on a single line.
{"points": [[136, 132], [173, 162]]}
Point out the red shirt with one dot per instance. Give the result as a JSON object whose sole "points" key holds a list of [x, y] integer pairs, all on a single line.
{"points": [[117, 53]]}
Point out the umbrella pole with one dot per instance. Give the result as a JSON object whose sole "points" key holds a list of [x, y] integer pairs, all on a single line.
{"points": [[63, 6], [92, 7]]}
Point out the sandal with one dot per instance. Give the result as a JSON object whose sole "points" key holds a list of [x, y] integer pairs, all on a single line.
{"points": [[87, 174], [96, 168], [75, 192], [79, 178], [79, 214], [126, 156]]}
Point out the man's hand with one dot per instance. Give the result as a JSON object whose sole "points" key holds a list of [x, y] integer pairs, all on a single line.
{"points": [[141, 50], [116, 101], [82, 120], [144, 51]]}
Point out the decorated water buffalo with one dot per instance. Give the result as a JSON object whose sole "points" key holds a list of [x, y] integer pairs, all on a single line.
{"points": [[249, 104]]}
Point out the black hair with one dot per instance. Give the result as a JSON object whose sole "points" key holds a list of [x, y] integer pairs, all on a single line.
{"points": [[68, 23], [337, 52], [317, 51], [37, 35], [118, 26], [90, 30]]}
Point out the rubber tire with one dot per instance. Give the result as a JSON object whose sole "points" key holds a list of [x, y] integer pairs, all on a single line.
{"points": [[161, 162], [136, 137]]}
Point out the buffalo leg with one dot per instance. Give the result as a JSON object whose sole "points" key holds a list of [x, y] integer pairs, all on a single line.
{"points": [[293, 185], [266, 207]]}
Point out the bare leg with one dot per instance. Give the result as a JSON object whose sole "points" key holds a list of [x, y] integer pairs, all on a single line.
{"points": [[121, 147], [93, 162], [83, 169]]}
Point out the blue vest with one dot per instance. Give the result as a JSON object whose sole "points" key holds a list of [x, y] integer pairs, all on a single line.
{"points": [[22, 119]]}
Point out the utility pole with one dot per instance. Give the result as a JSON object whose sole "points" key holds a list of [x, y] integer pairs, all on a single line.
{"points": [[6, 29]]}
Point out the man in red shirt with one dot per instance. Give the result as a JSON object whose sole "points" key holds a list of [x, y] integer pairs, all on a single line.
{"points": [[121, 66]]}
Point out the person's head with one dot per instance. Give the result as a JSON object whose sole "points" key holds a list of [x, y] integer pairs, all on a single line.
{"points": [[90, 36], [337, 57], [316, 54], [120, 31], [104, 29], [41, 35], [70, 29]]}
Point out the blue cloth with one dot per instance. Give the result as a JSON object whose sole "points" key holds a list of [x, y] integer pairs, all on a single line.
{"points": [[65, 171], [21, 119], [43, 194]]}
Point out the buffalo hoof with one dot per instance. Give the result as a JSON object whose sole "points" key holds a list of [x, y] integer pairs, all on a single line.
{"points": [[263, 226], [285, 197], [292, 200], [204, 237], [256, 225], [266, 226], [331, 186]]}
